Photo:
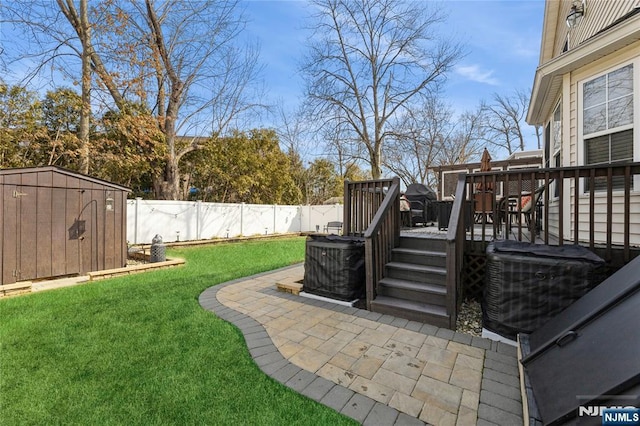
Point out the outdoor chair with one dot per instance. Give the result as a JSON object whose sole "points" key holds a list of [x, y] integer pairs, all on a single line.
{"points": [[512, 205], [405, 211], [483, 202]]}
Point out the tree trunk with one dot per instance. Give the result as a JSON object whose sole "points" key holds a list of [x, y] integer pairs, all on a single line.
{"points": [[80, 23], [85, 115], [376, 167], [171, 187], [171, 184]]}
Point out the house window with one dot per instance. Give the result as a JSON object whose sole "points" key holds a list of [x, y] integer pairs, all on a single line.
{"points": [[607, 121]]}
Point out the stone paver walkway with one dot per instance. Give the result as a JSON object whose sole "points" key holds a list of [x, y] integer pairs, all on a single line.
{"points": [[377, 369]]}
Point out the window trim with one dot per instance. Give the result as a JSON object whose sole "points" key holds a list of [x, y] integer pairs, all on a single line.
{"points": [[635, 125], [553, 134]]}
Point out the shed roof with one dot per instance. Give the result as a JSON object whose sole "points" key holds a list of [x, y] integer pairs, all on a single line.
{"points": [[62, 171]]}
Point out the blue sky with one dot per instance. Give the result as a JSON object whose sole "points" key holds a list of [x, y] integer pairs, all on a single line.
{"points": [[502, 40]]}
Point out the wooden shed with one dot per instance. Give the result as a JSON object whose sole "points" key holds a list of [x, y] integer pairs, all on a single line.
{"points": [[54, 222]]}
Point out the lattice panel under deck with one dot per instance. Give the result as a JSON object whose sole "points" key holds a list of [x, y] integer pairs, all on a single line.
{"points": [[473, 275]]}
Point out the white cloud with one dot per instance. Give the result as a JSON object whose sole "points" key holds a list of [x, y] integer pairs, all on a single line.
{"points": [[527, 48], [475, 73]]}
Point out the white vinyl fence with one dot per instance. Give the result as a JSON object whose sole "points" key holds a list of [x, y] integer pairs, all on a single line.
{"points": [[196, 220]]}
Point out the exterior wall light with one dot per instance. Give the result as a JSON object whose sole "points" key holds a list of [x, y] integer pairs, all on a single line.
{"points": [[576, 13], [108, 202]]}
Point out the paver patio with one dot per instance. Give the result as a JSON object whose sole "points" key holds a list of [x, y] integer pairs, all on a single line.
{"points": [[377, 369]]}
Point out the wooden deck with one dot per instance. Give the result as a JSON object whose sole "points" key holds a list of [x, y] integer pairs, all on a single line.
{"points": [[434, 232], [372, 211]]}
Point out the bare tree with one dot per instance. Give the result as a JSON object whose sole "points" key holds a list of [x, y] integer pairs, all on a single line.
{"points": [[503, 121], [179, 58], [293, 134], [422, 136], [437, 138], [293, 131], [538, 130], [83, 29], [340, 145], [200, 75], [373, 61], [52, 43], [466, 142]]}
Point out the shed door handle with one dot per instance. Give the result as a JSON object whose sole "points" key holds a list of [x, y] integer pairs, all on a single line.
{"points": [[567, 338]]}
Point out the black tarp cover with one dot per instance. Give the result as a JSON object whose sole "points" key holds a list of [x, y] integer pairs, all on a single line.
{"points": [[418, 189], [528, 284], [334, 267], [422, 199]]}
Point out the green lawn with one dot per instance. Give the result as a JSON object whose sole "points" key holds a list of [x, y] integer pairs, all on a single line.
{"points": [[141, 350]]}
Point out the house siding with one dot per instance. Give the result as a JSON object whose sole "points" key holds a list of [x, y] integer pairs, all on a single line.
{"points": [[575, 159], [599, 15], [585, 41], [600, 217]]}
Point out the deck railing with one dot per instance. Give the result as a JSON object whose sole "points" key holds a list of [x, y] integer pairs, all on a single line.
{"points": [[372, 210], [361, 203], [455, 250], [588, 205]]}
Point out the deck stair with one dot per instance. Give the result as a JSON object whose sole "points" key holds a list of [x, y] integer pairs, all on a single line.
{"points": [[414, 285]]}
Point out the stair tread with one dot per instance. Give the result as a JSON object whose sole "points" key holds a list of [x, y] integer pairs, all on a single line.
{"points": [[416, 267], [423, 240], [414, 285], [419, 252], [426, 308], [419, 236]]}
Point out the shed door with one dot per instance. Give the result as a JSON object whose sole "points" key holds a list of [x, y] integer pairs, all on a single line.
{"points": [[10, 233], [27, 199], [19, 233]]}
